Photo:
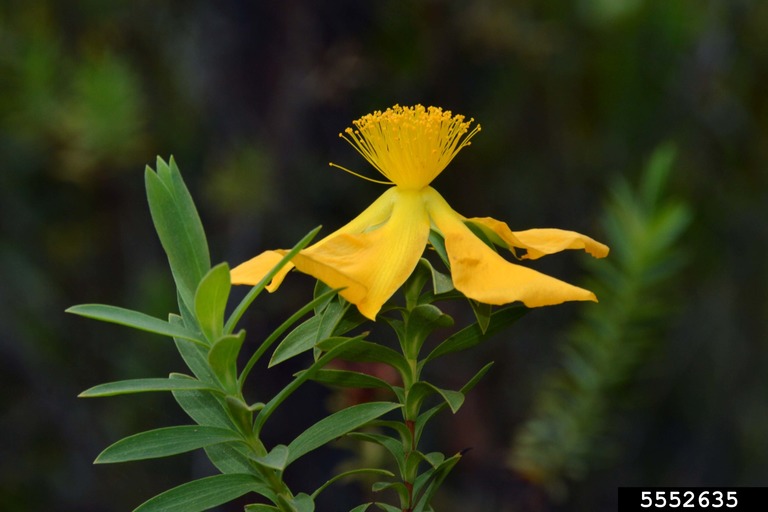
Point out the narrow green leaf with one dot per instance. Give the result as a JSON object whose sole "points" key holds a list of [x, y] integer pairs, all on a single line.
{"points": [[351, 473], [393, 446], [361, 508], [336, 425], [274, 403], [260, 507], [473, 334], [441, 283], [365, 351], [420, 323], [222, 359], [424, 417], [179, 228], [202, 494], [482, 314], [164, 442], [349, 379], [421, 389], [203, 407], [398, 487], [135, 319], [124, 387], [254, 292], [298, 341], [387, 508], [435, 479], [232, 458], [275, 459], [437, 242], [211, 301]]}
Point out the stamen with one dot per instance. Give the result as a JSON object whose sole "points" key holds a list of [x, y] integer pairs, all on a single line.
{"points": [[360, 175]]}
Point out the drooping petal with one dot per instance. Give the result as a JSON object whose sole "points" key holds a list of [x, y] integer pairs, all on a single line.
{"points": [[481, 274], [253, 271], [379, 259], [540, 242]]}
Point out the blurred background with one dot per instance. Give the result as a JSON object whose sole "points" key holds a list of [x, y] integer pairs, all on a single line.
{"points": [[643, 123]]}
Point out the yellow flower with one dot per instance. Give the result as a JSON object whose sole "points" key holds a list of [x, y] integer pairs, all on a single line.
{"points": [[373, 255]]}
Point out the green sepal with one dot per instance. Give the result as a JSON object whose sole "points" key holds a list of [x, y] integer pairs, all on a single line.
{"points": [[222, 359], [164, 442], [482, 313], [437, 242], [136, 320], [178, 226], [473, 334], [277, 458], [125, 387], [337, 425], [202, 494], [211, 299]]}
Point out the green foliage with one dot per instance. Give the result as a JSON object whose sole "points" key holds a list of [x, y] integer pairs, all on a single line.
{"points": [[569, 429], [227, 426]]}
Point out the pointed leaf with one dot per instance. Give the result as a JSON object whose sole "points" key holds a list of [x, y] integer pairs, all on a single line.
{"points": [[260, 507], [350, 473], [203, 407], [473, 334], [387, 508], [298, 341], [164, 442], [361, 508], [276, 459], [349, 379], [124, 387], [365, 351], [223, 359], [202, 494], [336, 425], [135, 319], [303, 502], [211, 301], [179, 228]]}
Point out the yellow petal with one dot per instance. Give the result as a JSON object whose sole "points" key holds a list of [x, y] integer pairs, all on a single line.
{"points": [[540, 242], [378, 258], [481, 274], [253, 271]]}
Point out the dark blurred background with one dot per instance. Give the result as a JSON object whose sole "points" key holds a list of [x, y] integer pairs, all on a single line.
{"points": [[573, 96]]}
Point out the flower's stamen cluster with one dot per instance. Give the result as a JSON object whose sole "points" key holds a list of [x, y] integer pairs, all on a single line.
{"points": [[409, 145]]}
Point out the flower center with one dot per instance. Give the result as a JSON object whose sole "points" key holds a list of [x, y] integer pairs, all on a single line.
{"points": [[410, 145]]}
